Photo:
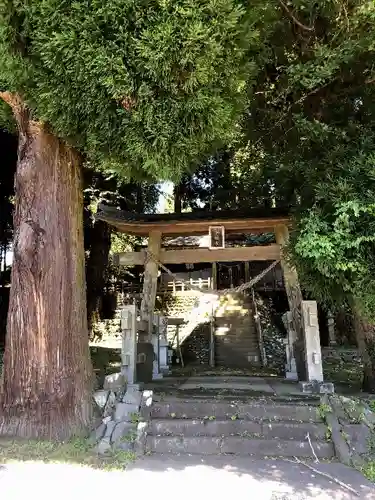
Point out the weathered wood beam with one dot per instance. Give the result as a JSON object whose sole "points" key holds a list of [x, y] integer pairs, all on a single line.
{"points": [[214, 275], [193, 227], [150, 283], [197, 255], [292, 286], [290, 273]]}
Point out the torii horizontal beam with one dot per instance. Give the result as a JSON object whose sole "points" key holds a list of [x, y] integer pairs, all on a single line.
{"points": [[198, 255]]}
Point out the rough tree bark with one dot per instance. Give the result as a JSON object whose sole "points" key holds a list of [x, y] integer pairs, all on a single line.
{"points": [[365, 335], [47, 374]]}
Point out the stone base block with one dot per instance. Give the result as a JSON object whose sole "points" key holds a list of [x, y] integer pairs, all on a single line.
{"points": [[165, 370], [104, 446], [124, 411], [134, 387], [291, 376], [101, 397], [98, 433], [122, 432], [132, 398], [316, 387], [157, 376], [114, 382]]}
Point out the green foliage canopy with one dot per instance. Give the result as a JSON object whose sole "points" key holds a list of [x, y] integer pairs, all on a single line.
{"points": [[138, 85], [310, 135], [308, 141], [334, 245]]}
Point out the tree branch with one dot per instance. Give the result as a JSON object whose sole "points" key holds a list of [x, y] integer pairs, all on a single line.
{"points": [[11, 99], [294, 19], [19, 108]]}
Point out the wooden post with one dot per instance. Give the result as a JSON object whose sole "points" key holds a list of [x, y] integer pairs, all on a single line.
{"points": [[212, 338], [294, 294], [150, 282], [214, 276], [292, 286], [258, 328], [247, 271], [212, 322]]}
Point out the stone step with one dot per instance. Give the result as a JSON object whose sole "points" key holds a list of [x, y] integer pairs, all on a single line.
{"points": [[228, 410], [205, 445], [244, 428]]}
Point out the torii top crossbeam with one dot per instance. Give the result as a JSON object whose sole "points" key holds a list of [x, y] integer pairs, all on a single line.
{"points": [[195, 223]]}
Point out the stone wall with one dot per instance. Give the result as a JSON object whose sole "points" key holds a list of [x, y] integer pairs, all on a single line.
{"points": [[273, 333], [341, 354], [351, 423], [123, 414], [196, 347]]}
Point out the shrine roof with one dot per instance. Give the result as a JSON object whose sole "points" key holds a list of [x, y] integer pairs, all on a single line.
{"points": [[255, 220]]}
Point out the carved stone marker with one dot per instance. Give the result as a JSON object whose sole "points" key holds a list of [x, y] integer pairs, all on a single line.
{"points": [[158, 325], [331, 329], [129, 342], [313, 354], [290, 366]]}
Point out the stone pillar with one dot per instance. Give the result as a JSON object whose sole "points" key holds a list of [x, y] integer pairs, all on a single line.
{"points": [[213, 312], [163, 345], [313, 354], [290, 366], [331, 329], [129, 343], [157, 336]]}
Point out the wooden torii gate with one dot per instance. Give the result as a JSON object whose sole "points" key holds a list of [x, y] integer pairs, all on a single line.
{"points": [[155, 226]]}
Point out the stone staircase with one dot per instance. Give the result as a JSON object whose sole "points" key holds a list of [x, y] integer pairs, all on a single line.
{"points": [[257, 428]]}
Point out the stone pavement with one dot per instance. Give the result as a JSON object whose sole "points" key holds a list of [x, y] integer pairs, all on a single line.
{"points": [[270, 386], [221, 477], [183, 477]]}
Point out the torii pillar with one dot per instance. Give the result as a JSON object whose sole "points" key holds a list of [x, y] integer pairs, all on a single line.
{"points": [[304, 325], [150, 282], [294, 294]]}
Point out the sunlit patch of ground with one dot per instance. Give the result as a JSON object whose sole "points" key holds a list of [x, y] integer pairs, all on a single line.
{"points": [[188, 477]]}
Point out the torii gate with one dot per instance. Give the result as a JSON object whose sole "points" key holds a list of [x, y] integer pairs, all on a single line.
{"points": [[303, 317]]}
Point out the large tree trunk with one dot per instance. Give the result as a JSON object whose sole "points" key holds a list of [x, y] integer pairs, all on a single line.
{"points": [[365, 335], [47, 375]]}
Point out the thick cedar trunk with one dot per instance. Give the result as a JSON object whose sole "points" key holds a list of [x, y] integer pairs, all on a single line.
{"points": [[47, 376], [96, 268], [365, 335]]}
